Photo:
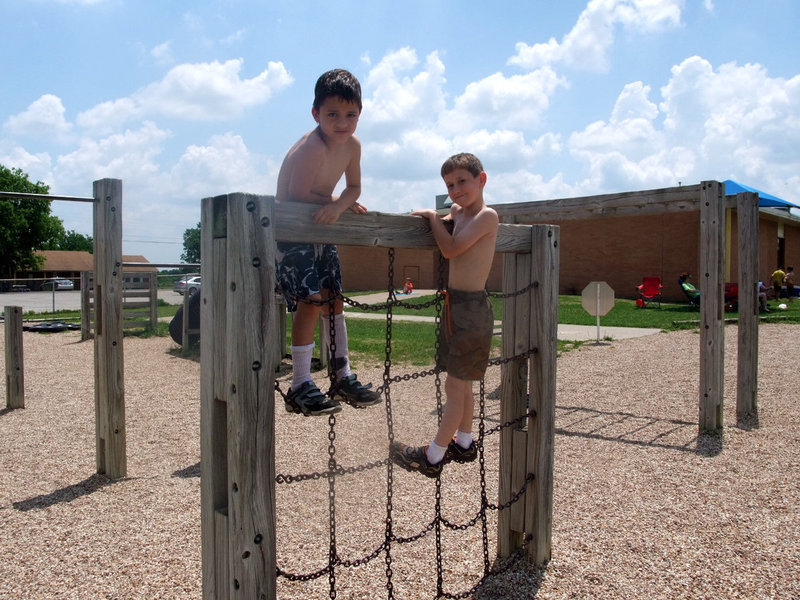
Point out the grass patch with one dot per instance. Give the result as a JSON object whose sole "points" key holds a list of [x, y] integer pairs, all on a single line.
{"points": [[624, 314]]}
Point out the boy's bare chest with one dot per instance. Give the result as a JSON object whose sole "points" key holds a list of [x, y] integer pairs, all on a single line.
{"points": [[330, 168]]}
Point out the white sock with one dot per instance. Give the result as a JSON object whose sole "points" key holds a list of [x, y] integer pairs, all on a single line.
{"points": [[435, 453], [301, 364], [340, 331], [464, 438]]}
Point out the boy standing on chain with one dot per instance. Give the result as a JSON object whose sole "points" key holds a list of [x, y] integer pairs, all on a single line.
{"points": [[468, 320], [310, 273]]}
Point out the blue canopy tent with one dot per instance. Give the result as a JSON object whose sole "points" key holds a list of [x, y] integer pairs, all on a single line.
{"points": [[765, 200]]}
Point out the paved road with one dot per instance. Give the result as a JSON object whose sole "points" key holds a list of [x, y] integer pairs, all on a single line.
{"points": [[63, 300]]}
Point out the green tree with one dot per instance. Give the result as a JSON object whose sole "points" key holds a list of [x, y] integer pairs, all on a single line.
{"points": [[25, 224], [69, 240], [191, 245]]}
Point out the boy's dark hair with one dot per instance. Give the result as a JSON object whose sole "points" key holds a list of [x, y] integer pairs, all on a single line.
{"points": [[339, 83], [464, 160]]}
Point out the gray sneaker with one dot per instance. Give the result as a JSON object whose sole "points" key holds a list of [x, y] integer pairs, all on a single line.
{"points": [[308, 400], [355, 393]]}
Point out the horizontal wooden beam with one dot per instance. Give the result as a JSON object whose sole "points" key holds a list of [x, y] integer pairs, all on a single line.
{"points": [[294, 223], [647, 202]]}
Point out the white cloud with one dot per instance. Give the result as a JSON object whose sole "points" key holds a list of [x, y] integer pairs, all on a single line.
{"points": [[202, 91], [518, 101], [223, 165], [211, 91], [739, 118], [394, 97], [109, 116], [130, 155], [709, 125], [586, 45], [37, 166], [44, 118], [162, 53]]}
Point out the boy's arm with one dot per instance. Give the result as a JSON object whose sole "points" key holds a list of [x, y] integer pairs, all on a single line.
{"points": [[458, 243], [331, 211]]}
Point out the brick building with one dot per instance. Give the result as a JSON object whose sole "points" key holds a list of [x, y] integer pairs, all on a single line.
{"points": [[617, 238], [69, 264]]}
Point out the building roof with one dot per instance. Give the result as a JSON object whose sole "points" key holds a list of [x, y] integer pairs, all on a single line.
{"points": [[74, 260], [765, 200]]}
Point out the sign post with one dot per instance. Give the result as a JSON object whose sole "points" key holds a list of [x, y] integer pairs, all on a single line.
{"points": [[597, 299]]}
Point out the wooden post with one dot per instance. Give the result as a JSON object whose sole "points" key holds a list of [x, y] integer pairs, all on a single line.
{"points": [[542, 388], [528, 448], [213, 410], [245, 516], [15, 370], [747, 364], [109, 386], [513, 402], [712, 323], [153, 287], [86, 305], [185, 346]]}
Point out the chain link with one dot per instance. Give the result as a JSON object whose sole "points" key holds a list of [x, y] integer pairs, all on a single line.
{"points": [[334, 469]]}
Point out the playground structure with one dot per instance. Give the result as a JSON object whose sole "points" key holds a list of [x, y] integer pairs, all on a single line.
{"points": [[239, 314], [109, 378], [241, 271], [708, 199]]}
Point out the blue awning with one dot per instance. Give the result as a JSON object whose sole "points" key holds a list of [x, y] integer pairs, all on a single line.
{"points": [[765, 200]]}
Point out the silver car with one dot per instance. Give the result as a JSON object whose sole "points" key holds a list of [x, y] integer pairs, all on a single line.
{"points": [[58, 284], [188, 285]]}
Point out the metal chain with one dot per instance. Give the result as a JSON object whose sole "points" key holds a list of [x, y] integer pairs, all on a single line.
{"points": [[482, 462], [532, 285], [387, 364], [336, 470]]}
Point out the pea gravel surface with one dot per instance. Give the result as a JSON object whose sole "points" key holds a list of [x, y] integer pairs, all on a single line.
{"points": [[643, 506]]}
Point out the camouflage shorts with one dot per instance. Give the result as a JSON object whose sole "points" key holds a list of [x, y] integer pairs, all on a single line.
{"points": [[303, 270], [466, 334]]}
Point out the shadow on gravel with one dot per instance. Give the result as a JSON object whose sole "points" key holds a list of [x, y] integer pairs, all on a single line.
{"points": [[190, 471], [65, 494], [521, 581], [6, 410]]}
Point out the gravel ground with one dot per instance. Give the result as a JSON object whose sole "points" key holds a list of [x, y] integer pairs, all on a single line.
{"points": [[643, 509]]}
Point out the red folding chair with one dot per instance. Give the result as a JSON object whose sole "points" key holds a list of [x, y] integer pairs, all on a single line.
{"points": [[731, 296], [649, 291]]}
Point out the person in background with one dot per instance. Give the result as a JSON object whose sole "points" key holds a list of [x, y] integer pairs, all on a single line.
{"points": [[788, 281], [777, 277]]}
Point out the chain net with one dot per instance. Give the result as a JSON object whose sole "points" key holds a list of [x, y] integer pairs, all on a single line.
{"points": [[435, 525]]}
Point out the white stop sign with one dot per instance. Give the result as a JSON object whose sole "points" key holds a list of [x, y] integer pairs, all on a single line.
{"points": [[597, 298]]}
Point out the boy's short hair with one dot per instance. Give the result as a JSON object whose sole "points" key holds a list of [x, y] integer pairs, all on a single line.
{"points": [[339, 83], [464, 160]]}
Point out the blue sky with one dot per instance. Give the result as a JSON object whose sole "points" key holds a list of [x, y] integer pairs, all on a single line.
{"points": [[188, 99]]}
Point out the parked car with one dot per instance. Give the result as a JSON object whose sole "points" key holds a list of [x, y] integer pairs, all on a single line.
{"points": [[188, 285], [19, 287], [58, 284]]}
